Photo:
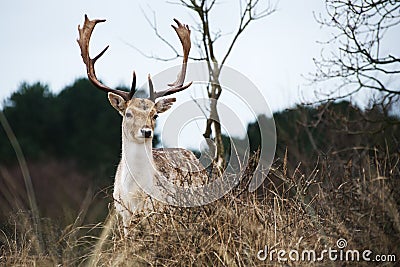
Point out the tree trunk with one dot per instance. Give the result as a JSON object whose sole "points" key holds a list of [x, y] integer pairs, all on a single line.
{"points": [[214, 120]]}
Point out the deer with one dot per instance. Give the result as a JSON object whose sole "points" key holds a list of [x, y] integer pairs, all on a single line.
{"points": [[141, 166]]}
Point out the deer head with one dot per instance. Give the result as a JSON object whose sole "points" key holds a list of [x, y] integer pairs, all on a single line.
{"points": [[139, 114]]}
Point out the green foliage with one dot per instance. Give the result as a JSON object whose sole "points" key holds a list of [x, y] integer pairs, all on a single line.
{"points": [[333, 130], [25, 111], [89, 129]]}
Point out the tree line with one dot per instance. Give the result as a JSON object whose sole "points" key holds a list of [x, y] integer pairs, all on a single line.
{"points": [[79, 124]]}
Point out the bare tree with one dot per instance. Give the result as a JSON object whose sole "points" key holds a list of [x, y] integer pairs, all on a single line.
{"points": [[250, 10], [362, 61]]}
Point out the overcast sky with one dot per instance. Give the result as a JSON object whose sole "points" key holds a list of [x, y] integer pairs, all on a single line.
{"points": [[39, 44]]}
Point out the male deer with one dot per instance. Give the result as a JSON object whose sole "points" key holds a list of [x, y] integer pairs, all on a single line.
{"points": [[141, 165]]}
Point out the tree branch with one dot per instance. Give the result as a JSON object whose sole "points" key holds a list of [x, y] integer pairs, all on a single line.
{"points": [[243, 23]]}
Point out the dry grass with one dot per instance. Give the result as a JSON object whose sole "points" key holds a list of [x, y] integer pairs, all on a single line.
{"points": [[358, 202]]}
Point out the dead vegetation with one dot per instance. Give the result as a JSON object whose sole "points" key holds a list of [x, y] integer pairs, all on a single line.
{"points": [[295, 210]]}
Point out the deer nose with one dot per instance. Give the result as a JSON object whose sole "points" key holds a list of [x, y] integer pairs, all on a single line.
{"points": [[146, 132]]}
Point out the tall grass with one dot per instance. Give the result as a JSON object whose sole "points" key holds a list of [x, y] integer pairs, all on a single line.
{"points": [[355, 200]]}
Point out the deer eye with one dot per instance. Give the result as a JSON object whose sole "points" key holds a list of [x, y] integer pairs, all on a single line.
{"points": [[155, 116], [128, 115]]}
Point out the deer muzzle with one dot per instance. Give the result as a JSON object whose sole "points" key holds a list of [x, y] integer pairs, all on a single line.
{"points": [[146, 132]]}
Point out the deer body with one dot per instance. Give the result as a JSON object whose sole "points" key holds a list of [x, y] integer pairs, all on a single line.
{"points": [[132, 174], [141, 166]]}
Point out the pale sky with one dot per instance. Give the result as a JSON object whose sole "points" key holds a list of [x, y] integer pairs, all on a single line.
{"points": [[39, 44]]}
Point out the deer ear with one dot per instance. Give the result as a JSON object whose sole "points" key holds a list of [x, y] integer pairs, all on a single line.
{"points": [[164, 104], [117, 102]]}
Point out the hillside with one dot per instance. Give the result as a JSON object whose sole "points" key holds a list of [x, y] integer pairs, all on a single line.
{"points": [[336, 175]]}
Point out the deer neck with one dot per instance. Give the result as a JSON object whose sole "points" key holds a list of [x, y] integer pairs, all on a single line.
{"points": [[138, 155], [138, 161]]}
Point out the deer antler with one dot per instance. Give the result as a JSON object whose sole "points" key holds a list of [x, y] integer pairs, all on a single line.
{"points": [[84, 38], [183, 32]]}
